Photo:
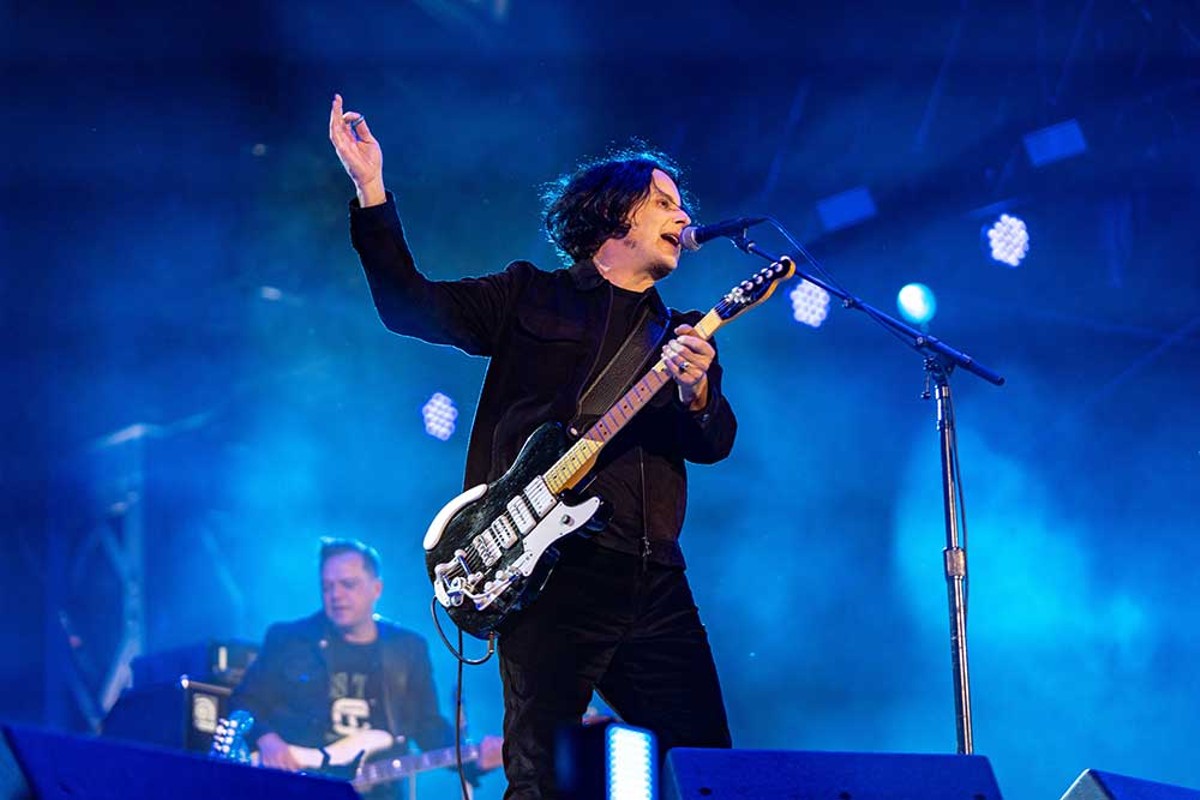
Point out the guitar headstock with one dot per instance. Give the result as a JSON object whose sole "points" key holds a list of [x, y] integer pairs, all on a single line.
{"points": [[229, 739], [755, 289]]}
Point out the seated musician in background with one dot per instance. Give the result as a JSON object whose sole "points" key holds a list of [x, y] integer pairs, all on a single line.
{"points": [[345, 672]]}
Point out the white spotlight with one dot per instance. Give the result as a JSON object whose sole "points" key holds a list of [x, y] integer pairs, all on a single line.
{"points": [[917, 303], [810, 304], [1008, 239], [439, 413]]}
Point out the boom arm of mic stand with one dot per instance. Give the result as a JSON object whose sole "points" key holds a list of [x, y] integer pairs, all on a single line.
{"points": [[920, 341]]}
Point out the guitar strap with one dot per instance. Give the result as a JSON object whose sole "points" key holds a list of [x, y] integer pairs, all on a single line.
{"points": [[624, 367]]}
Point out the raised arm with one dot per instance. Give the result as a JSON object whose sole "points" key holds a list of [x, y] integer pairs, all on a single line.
{"points": [[469, 313]]}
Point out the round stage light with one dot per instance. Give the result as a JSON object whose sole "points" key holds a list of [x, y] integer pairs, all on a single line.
{"points": [[916, 303]]}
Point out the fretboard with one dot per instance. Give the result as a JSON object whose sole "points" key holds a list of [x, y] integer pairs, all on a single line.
{"points": [[377, 772], [574, 464]]}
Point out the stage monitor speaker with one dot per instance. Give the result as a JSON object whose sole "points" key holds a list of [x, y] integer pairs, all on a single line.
{"points": [[66, 767], [13, 785], [701, 774], [1096, 785]]}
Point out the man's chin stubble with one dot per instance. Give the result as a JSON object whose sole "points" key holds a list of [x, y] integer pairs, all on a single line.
{"points": [[660, 271]]}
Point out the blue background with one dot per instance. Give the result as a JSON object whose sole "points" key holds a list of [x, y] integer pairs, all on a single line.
{"points": [[164, 165]]}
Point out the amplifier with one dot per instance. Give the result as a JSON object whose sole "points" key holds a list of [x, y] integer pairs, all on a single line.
{"points": [[181, 714], [222, 662]]}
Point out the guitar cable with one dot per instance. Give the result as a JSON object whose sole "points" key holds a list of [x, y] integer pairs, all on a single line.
{"points": [[458, 719], [458, 695], [437, 624]]}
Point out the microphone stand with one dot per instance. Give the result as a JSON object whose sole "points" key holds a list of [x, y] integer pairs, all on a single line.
{"points": [[940, 359]]}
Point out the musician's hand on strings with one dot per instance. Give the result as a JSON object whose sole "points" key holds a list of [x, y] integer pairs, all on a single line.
{"points": [[273, 751], [688, 358], [490, 753], [359, 152]]}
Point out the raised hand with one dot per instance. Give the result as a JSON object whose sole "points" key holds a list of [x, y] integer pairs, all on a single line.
{"points": [[359, 152]]}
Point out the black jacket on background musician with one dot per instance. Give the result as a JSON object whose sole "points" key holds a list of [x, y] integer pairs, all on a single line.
{"points": [[287, 687]]}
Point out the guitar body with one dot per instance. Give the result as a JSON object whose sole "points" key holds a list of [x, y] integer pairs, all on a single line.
{"points": [[488, 552]]}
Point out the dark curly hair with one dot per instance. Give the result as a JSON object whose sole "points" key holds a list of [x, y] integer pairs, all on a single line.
{"points": [[586, 207]]}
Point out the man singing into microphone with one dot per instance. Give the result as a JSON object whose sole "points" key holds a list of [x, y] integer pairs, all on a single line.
{"points": [[617, 614]]}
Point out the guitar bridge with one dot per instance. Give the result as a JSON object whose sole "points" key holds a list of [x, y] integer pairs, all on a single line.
{"points": [[451, 592]]}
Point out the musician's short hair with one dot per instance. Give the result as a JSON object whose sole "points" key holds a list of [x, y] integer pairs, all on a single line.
{"points": [[331, 546], [592, 204]]}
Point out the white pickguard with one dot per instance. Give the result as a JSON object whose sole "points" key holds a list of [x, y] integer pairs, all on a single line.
{"points": [[561, 520]]}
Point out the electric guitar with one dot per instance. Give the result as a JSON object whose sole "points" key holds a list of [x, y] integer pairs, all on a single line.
{"points": [[229, 738], [488, 551], [343, 758]]}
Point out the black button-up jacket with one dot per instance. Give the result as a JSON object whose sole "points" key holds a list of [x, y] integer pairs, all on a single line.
{"points": [[542, 332]]}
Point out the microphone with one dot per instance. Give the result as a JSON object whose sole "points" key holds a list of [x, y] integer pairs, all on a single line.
{"points": [[693, 236]]}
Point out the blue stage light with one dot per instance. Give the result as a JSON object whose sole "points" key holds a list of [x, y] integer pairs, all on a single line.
{"points": [[1055, 143], [917, 303], [439, 413], [846, 208], [631, 758], [1008, 240]]}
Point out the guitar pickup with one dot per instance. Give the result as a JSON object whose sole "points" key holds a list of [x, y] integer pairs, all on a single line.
{"points": [[521, 515], [504, 533], [539, 496], [487, 548]]}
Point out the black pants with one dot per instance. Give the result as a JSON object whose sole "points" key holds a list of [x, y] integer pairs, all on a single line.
{"points": [[626, 628]]}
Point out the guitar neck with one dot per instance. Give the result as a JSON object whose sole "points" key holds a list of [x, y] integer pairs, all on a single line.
{"points": [[393, 769], [575, 463]]}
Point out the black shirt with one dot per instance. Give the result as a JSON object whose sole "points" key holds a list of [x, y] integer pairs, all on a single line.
{"points": [[355, 689], [618, 479], [626, 311]]}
